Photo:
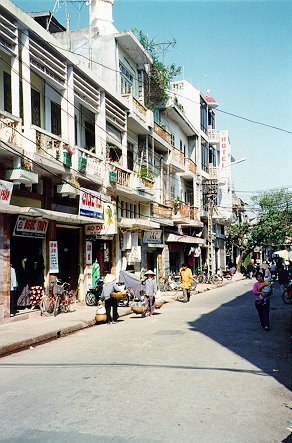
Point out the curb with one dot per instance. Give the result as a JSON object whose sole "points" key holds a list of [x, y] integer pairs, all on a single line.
{"points": [[49, 336]]}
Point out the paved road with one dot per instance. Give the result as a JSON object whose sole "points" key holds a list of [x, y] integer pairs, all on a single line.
{"points": [[197, 372]]}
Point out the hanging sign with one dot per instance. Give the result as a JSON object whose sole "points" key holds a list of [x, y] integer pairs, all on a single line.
{"points": [[90, 204], [224, 148], [134, 255], [54, 262], [5, 192], [30, 227], [88, 258], [88, 273], [109, 227], [153, 237]]}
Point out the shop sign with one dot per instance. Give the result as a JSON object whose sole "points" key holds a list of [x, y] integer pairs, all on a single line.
{"points": [[224, 148], [88, 272], [153, 237], [134, 255], [5, 192], [88, 258], [54, 262], [30, 227], [108, 228], [90, 204]]}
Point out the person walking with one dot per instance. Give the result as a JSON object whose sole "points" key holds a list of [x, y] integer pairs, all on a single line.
{"points": [[150, 289], [186, 281], [262, 306], [111, 304]]}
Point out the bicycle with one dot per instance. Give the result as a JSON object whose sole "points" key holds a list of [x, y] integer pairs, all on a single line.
{"points": [[47, 302], [65, 298], [209, 279]]}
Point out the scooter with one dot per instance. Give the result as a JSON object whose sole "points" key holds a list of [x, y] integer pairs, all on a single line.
{"points": [[287, 294], [92, 296]]}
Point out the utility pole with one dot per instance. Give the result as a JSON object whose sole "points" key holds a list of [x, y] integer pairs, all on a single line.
{"points": [[212, 192]]}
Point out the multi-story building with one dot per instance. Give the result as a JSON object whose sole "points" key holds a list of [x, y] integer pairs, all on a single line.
{"points": [[93, 181]]}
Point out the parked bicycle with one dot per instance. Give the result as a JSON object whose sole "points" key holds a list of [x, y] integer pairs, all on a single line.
{"points": [[65, 298], [209, 278]]}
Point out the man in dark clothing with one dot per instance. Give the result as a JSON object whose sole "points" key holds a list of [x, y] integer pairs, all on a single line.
{"points": [[283, 277]]}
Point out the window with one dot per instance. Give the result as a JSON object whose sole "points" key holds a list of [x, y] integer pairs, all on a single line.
{"points": [[7, 92], [211, 119], [204, 156], [172, 140], [126, 80], [128, 210], [35, 108], [89, 134], [55, 119], [203, 110], [130, 156], [212, 156]]}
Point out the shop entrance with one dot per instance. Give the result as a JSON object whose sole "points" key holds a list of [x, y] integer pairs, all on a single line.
{"points": [[68, 255], [101, 257], [151, 261]]}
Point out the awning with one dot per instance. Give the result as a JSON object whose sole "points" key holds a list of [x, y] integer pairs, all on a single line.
{"points": [[137, 223], [173, 238], [283, 254], [48, 215]]}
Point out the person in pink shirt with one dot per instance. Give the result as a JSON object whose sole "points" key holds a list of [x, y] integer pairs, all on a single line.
{"points": [[262, 308]]}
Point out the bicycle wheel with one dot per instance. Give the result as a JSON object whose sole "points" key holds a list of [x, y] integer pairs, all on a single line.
{"points": [[194, 285], [201, 278], [57, 306], [46, 305]]}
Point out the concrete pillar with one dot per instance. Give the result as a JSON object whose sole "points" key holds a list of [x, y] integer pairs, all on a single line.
{"points": [[5, 267], [100, 128], [26, 90]]}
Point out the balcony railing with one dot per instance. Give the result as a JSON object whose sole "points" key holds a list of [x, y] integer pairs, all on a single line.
{"points": [[162, 211], [213, 172], [90, 164], [195, 214], [190, 165], [177, 158], [51, 146], [10, 128], [184, 209], [123, 177], [159, 130], [138, 108]]}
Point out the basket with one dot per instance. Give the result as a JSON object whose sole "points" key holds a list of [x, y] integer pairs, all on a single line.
{"points": [[138, 309], [100, 317], [158, 304], [119, 295]]}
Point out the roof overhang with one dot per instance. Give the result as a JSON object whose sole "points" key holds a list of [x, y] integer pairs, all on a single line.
{"points": [[48, 215], [177, 116], [137, 223], [173, 238], [133, 48]]}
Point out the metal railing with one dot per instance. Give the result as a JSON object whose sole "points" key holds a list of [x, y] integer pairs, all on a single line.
{"points": [[159, 130], [160, 210]]}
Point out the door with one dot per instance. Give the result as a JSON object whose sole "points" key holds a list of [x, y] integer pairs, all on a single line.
{"points": [[68, 254]]}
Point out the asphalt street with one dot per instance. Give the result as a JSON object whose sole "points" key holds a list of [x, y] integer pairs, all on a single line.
{"points": [[201, 372]]}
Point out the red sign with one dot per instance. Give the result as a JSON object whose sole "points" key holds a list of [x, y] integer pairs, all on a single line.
{"points": [[30, 227]]}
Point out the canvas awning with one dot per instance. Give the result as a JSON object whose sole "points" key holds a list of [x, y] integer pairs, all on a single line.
{"points": [[282, 254], [137, 223], [174, 238], [48, 215]]}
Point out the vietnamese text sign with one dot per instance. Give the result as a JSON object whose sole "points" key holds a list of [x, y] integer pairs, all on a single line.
{"points": [[153, 237], [5, 192], [30, 227], [109, 227], [88, 258], [90, 204], [54, 262], [224, 149]]}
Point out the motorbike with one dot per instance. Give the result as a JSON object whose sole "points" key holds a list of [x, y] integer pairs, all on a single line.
{"points": [[92, 296], [287, 294]]}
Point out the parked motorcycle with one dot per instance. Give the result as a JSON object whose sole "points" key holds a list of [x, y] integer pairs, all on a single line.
{"points": [[92, 296]]}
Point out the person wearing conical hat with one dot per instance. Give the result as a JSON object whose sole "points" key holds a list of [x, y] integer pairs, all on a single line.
{"points": [[149, 292], [111, 304]]}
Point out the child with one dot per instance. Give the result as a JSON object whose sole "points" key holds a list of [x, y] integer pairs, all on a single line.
{"points": [[266, 288]]}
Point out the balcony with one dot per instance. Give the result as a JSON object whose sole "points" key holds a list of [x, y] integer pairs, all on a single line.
{"points": [[213, 172], [137, 109], [90, 165], [214, 136], [177, 160], [181, 212], [190, 169], [52, 147], [10, 128], [67, 190], [161, 211], [162, 133]]}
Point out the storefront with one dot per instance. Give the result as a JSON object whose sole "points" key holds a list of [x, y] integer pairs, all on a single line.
{"points": [[153, 248], [27, 264], [184, 248]]}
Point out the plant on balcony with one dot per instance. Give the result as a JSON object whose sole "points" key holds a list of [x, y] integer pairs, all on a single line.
{"points": [[176, 204], [159, 78], [145, 174]]}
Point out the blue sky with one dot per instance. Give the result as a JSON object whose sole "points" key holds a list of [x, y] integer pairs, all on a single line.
{"points": [[241, 51]]}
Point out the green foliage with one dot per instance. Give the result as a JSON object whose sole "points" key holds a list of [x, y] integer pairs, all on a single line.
{"points": [[145, 174], [160, 75], [273, 227]]}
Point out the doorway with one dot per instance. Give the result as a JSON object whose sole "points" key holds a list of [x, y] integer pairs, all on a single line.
{"points": [[68, 254]]}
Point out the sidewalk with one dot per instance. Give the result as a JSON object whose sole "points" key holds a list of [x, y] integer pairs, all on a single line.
{"points": [[23, 334]]}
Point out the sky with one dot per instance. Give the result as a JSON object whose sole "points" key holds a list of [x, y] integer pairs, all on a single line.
{"points": [[241, 52]]}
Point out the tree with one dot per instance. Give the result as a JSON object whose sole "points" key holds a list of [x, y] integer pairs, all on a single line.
{"points": [[273, 228], [158, 80]]}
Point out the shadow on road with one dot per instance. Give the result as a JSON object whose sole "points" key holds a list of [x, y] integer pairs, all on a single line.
{"points": [[235, 326]]}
